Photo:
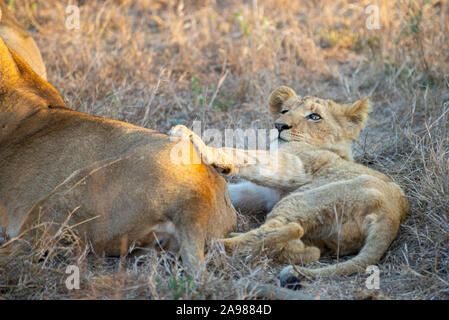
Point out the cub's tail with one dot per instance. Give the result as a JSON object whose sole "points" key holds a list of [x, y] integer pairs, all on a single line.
{"points": [[379, 237]]}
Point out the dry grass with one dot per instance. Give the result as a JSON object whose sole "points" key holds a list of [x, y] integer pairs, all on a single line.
{"points": [[165, 59]]}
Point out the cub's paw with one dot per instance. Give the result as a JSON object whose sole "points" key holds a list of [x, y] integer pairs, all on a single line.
{"points": [[234, 242], [185, 133], [182, 132], [223, 168], [211, 156]]}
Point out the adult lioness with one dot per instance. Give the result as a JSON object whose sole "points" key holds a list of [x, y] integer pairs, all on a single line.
{"points": [[327, 203], [20, 41], [116, 179]]}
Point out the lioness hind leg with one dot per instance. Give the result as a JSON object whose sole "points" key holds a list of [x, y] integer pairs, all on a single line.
{"points": [[271, 234], [192, 249]]}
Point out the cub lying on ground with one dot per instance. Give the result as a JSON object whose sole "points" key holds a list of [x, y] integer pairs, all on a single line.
{"points": [[327, 203]]}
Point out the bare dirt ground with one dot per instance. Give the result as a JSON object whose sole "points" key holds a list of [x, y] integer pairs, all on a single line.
{"points": [[160, 63]]}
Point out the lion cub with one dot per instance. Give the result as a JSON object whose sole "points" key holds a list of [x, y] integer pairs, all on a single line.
{"points": [[328, 203]]}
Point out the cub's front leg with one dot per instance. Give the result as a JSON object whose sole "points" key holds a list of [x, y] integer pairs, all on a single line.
{"points": [[274, 169]]}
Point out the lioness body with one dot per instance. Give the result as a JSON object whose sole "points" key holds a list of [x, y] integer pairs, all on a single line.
{"points": [[116, 179], [327, 203], [20, 41], [137, 188]]}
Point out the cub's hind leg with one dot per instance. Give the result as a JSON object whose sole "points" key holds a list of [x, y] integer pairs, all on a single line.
{"points": [[318, 212], [380, 234], [270, 235], [296, 252], [365, 221], [281, 241]]}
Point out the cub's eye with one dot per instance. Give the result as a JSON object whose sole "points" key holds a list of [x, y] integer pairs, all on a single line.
{"points": [[314, 116], [284, 111]]}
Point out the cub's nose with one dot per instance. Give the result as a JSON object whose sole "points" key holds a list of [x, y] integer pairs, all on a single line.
{"points": [[282, 126]]}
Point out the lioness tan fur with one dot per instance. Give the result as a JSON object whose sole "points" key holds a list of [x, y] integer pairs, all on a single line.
{"points": [[20, 41], [327, 202], [116, 180]]}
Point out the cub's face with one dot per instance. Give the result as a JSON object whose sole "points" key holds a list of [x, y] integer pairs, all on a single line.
{"points": [[314, 120]]}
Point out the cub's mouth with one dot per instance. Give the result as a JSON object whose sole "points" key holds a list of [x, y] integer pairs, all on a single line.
{"points": [[282, 138]]}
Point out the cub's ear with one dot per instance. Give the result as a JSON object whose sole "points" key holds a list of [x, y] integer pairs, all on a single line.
{"points": [[357, 114], [278, 97]]}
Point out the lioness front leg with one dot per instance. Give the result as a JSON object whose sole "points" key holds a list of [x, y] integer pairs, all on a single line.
{"points": [[274, 169]]}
